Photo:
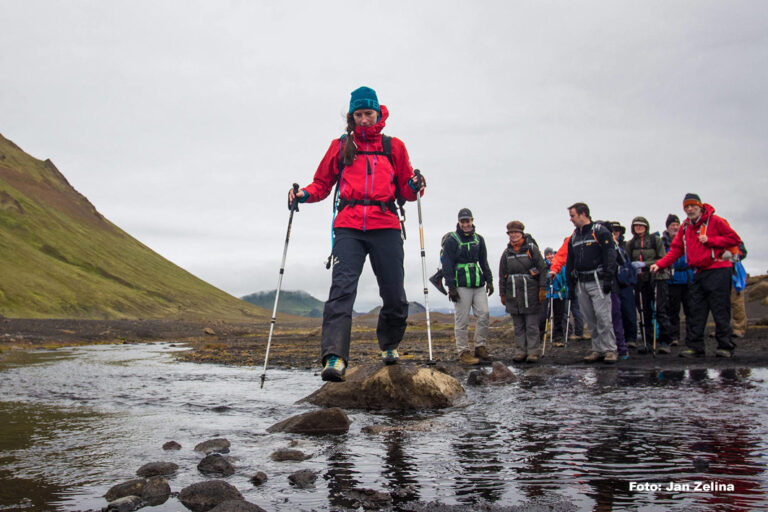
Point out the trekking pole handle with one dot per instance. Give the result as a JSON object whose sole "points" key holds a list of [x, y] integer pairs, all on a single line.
{"points": [[295, 203]]}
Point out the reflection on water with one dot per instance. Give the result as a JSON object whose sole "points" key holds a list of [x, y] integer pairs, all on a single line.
{"points": [[75, 422]]}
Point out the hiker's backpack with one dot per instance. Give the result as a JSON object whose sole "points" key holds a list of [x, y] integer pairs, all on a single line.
{"points": [[625, 273]]}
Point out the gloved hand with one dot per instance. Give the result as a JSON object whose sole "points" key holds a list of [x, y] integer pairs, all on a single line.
{"points": [[453, 295], [638, 264], [607, 286], [503, 300], [489, 289], [571, 293], [417, 182], [542, 295]]}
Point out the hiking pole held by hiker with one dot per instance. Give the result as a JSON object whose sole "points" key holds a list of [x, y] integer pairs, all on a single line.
{"points": [[653, 310], [642, 322], [567, 322], [552, 314], [423, 263], [293, 206]]}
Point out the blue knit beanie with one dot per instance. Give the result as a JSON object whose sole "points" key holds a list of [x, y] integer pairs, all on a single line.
{"points": [[364, 97]]}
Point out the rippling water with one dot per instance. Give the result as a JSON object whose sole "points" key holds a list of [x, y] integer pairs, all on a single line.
{"points": [[75, 422]]}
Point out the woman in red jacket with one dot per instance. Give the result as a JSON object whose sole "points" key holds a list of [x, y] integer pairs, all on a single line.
{"points": [[371, 172]]}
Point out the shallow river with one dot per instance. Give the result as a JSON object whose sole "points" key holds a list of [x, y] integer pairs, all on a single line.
{"points": [[75, 422]]}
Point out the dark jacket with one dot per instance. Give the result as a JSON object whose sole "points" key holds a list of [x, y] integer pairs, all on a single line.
{"points": [[465, 260], [648, 248], [591, 250], [521, 274]]}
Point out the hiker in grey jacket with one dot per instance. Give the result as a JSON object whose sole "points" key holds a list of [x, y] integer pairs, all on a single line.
{"points": [[523, 290]]}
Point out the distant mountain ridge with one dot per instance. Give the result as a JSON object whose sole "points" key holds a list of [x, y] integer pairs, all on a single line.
{"points": [[296, 302], [60, 258]]}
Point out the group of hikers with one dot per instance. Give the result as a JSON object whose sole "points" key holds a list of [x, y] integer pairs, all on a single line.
{"points": [[596, 276]]}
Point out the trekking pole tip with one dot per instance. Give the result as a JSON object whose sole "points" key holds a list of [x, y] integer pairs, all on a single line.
{"points": [[263, 378]]}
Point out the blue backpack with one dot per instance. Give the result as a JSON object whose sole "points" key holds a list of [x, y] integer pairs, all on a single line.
{"points": [[739, 277], [626, 274]]}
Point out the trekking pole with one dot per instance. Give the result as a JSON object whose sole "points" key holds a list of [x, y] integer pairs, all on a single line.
{"points": [[642, 321], [567, 322], [423, 264], [552, 315], [294, 208], [655, 320]]}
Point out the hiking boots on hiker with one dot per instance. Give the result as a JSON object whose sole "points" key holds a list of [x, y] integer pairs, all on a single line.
{"points": [[664, 349], [532, 358], [390, 356], [334, 369], [632, 344], [482, 353], [586, 336], [593, 357], [610, 358], [690, 353], [721, 352], [574, 337], [519, 357], [466, 357]]}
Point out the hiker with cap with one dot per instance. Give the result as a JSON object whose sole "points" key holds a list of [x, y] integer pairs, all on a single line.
{"points": [[626, 278], [678, 283], [591, 266], [469, 278], [522, 289], [371, 171], [645, 249], [710, 244]]}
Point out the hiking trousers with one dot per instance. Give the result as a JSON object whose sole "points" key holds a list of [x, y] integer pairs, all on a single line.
{"points": [[652, 298], [477, 300], [618, 323], [628, 312], [738, 313], [710, 291], [596, 309], [527, 340], [351, 246], [678, 296]]}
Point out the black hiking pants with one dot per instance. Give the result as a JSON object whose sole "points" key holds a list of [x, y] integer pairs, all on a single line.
{"points": [[678, 296], [652, 299], [351, 246], [710, 292]]}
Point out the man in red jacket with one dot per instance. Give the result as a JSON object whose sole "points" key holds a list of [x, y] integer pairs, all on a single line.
{"points": [[708, 241]]}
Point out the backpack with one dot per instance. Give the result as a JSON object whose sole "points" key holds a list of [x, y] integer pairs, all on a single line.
{"points": [[625, 273]]}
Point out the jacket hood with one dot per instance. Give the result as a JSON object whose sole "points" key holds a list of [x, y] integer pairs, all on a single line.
{"points": [[709, 210], [372, 133]]}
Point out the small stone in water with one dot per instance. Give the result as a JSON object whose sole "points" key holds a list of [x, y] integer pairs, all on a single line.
{"points": [[171, 445], [215, 464], [259, 478], [216, 445], [303, 479], [157, 468]]}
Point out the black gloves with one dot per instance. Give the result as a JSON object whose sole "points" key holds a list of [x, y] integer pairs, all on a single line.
{"points": [[489, 288], [416, 182], [607, 281], [453, 295], [571, 293]]}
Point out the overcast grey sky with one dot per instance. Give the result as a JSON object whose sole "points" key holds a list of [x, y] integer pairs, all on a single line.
{"points": [[186, 122]]}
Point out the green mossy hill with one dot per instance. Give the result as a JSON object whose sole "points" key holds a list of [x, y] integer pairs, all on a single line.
{"points": [[297, 303], [60, 258]]}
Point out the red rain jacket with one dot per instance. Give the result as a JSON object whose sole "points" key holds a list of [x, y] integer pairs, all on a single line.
{"points": [[720, 237], [369, 177]]}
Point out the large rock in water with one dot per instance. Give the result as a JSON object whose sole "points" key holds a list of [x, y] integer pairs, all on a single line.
{"points": [[203, 496], [400, 386], [324, 421]]}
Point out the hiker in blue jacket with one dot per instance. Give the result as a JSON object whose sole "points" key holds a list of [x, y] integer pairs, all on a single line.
{"points": [[627, 279]]}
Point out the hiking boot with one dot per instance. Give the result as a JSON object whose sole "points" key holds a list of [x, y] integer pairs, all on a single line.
{"points": [[559, 344], [334, 369], [466, 357], [739, 334], [586, 337], [532, 358], [722, 352], [664, 349], [519, 357], [574, 337], [482, 353], [674, 343], [390, 356], [690, 353], [632, 344], [610, 358], [594, 357]]}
